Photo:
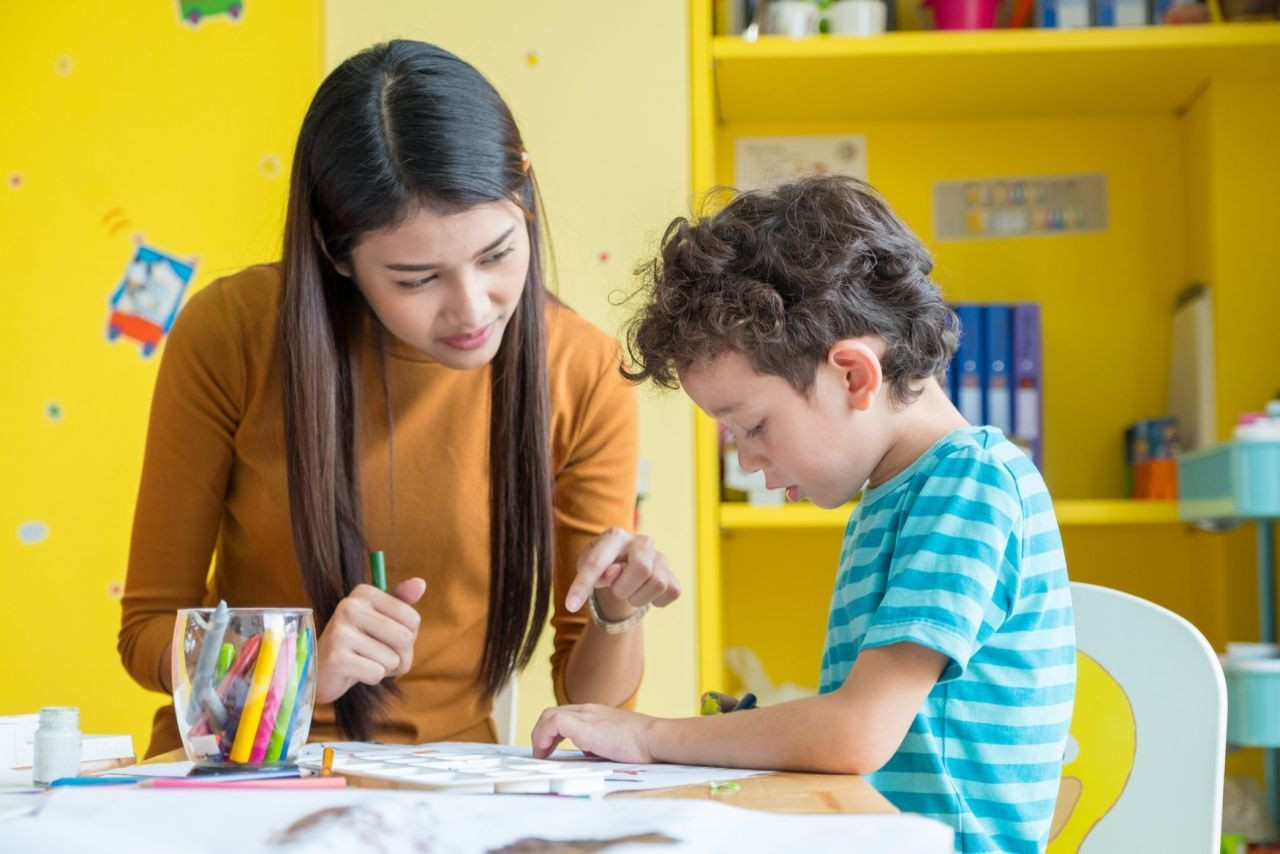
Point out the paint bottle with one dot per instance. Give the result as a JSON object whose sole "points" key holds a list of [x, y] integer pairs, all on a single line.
{"points": [[56, 751]]}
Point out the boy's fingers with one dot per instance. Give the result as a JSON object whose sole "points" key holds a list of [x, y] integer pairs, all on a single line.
{"points": [[547, 734]]}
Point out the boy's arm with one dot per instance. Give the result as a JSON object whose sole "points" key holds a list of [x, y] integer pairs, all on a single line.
{"points": [[854, 730]]}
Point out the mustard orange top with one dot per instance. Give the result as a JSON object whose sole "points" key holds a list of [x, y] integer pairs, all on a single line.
{"points": [[214, 483]]}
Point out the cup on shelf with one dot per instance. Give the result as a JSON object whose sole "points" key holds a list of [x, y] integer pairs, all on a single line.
{"points": [[856, 17], [963, 14], [244, 684], [794, 18]]}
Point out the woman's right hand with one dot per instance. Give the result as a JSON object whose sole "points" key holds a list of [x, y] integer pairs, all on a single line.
{"points": [[369, 637]]}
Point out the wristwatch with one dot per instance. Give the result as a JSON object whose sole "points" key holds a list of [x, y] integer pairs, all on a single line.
{"points": [[614, 627]]}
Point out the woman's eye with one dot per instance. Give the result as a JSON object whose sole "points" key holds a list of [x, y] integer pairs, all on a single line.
{"points": [[417, 283], [498, 256]]}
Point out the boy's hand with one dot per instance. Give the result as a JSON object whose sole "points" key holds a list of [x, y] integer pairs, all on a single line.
{"points": [[603, 731], [369, 637], [627, 570]]}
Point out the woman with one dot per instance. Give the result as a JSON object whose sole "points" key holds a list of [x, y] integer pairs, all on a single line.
{"points": [[402, 382]]}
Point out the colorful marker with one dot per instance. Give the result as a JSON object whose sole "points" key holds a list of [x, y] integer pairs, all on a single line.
{"points": [[378, 570]]}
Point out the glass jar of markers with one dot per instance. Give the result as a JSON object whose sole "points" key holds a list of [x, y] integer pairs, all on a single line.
{"points": [[244, 684]]}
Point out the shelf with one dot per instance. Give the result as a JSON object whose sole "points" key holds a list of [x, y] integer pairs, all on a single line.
{"points": [[803, 515], [984, 74]]}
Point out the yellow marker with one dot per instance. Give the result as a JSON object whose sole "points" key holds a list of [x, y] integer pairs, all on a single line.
{"points": [[265, 666], [326, 763]]}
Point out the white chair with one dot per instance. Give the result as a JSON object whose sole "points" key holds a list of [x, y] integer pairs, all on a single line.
{"points": [[1144, 765], [506, 707]]}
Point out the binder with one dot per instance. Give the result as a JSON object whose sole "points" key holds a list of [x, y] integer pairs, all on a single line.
{"points": [[1028, 402], [969, 364], [997, 391]]}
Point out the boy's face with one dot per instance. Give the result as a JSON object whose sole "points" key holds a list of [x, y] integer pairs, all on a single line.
{"points": [[821, 447]]}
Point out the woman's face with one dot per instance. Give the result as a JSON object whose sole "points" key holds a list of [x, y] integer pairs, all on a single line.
{"points": [[446, 284]]}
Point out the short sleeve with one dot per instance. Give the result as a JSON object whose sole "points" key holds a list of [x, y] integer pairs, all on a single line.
{"points": [[954, 561]]}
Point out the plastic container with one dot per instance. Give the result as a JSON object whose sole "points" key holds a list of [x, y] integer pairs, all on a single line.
{"points": [[1233, 480], [1253, 697], [56, 748], [244, 684], [963, 14]]}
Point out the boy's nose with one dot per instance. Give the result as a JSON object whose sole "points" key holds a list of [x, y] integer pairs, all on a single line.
{"points": [[750, 461]]}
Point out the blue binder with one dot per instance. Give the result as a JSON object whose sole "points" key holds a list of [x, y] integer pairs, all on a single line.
{"points": [[969, 363], [997, 388]]}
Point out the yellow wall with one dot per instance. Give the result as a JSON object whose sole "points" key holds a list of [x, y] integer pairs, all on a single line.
{"points": [[601, 97], [142, 124], [117, 123]]}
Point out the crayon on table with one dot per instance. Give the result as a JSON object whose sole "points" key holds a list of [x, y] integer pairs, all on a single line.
{"points": [[326, 762], [284, 783]]}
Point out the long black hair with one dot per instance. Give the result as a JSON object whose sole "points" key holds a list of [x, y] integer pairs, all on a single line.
{"points": [[397, 127]]}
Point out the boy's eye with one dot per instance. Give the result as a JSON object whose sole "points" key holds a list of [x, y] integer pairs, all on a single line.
{"points": [[755, 431]]}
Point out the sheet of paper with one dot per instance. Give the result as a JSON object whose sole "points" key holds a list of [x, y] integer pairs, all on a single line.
{"points": [[155, 769], [360, 820], [623, 777]]}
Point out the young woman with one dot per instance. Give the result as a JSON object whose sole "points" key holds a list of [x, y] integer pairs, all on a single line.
{"points": [[400, 381]]}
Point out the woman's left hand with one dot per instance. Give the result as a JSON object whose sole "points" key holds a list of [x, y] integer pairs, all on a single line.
{"points": [[626, 571]]}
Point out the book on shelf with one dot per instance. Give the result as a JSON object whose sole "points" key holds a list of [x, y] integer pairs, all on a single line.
{"points": [[996, 376]]}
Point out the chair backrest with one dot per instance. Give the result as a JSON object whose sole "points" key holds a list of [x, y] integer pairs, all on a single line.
{"points": [[1144, 765], [506, 707]]}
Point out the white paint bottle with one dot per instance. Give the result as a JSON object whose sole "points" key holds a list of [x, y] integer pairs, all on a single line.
{"points": [[56, 750]]}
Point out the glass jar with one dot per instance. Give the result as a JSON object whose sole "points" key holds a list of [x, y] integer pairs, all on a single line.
{"points": [[244, 684]]}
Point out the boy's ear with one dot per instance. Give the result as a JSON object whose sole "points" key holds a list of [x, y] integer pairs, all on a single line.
{"points": [[343, 269], [859, 368]]}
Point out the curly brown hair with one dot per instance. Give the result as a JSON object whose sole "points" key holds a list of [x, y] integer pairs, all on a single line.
{"points": [[780, 275]]}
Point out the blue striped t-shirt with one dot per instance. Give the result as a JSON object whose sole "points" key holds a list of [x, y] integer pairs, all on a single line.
{"points": [[961, 553]]}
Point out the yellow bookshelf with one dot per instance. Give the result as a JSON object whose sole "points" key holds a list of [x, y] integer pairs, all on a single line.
{"points": [[996, 73], [1183, 123]]}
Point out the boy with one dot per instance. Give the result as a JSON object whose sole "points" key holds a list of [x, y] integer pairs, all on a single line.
{"points": [[804, 320]]}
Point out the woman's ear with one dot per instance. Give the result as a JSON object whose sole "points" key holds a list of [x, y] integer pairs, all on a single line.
{"points": [[343, 269], [860, 371]]}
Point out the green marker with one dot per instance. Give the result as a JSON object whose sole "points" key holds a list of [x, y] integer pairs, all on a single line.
{"points": [[226, 655], [378, 570]]}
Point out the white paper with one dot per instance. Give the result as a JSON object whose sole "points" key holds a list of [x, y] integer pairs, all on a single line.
{"points": [[357, 820], [623, 777]]}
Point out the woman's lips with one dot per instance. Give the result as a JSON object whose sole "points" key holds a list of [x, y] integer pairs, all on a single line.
{"points": [[470, 340]]}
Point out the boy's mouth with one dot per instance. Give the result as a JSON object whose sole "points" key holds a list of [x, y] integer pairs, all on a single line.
{"points": [[793, 493]]}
